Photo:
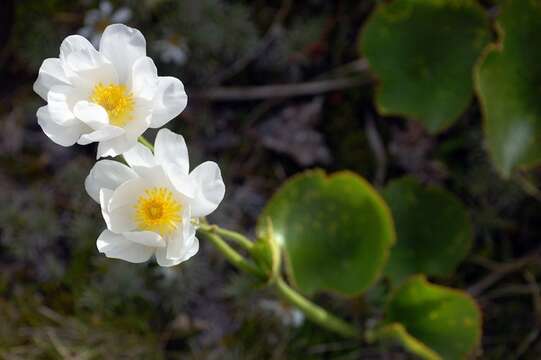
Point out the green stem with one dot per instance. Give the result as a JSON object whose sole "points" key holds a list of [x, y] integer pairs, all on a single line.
{"points": [[147, 143], [232, 256], [316, 313], [397, 332], [228, 234]]}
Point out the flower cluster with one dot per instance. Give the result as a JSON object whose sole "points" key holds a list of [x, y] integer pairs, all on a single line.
{"points": [[112, 96]]}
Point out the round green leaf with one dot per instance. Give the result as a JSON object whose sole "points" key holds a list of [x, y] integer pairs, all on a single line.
{"points": [[447, 321], [509, 82], [336, 231], [423, 52], [434, 232]]}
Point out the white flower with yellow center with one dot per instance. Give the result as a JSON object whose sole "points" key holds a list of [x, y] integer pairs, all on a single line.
{"points": [[150, 206], [110, 96]]}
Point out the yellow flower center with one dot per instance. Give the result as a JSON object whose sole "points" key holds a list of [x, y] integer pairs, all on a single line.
{"points": [[158, 211], [116, 100]]}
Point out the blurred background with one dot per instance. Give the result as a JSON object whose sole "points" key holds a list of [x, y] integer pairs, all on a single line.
{"points": [[59, 298]]}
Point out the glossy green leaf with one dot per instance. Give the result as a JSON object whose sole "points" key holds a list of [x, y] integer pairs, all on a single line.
{"points": [[336, 231], [509, 82], [434, 232], [445, 320], [423, 52]]}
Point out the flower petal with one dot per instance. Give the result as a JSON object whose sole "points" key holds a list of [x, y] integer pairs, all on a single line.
{"points": [[147, 238], [163, 260], [121, 218], [115, 146], [170, 151], [59, 100], [74, 43], [210, 188], [105, 199], [139, 155], [144, 78], [169, 101], [51, 73], [181, 242], [88, 68], [107, 174], [116, 246], [122, 45], [103, 134], [91, 114], [84, 65], [65, 134], [127, 194]]}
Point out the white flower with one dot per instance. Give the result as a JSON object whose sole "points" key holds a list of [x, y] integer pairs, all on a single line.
{"points": [[150, 206], [110, 96], [96, 20], [172, 50]]}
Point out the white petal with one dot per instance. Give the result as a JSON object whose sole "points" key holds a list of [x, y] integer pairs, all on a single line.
{"points": [[116, 246], [153, 176], [51, 73], [103, 134], [210, 190], [181, 242], [169, 101], [141, 119], [139, 155], [192, 249], [163, 260], [127, 194], [74, 43], [182, 182], [144, 78], [107, 174], [60, 99], [88, 68], [84, 65], [105, 199], [147, 238], [115, 146], [122, 45], [170, 151], [66, 134], [91, 114], [121, 218]]}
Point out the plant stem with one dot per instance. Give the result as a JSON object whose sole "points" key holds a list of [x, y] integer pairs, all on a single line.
{"points": [[398, 333], [147, 143], [232, 256], [228, 234], [316, 313]]}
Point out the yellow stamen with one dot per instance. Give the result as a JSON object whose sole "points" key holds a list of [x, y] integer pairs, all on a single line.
{"points": [[158, 211], [116, 100]]}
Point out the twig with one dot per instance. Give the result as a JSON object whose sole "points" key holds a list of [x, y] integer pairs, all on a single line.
{"points": [[536, 295], [505, 291], [526, 343], [503, 270], [528, 187], [249, 93], [374, 140]]}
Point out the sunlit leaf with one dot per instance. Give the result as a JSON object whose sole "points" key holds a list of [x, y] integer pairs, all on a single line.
{"points": [[336, 231], [433, 229], [423, 53], [509, 82]]}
